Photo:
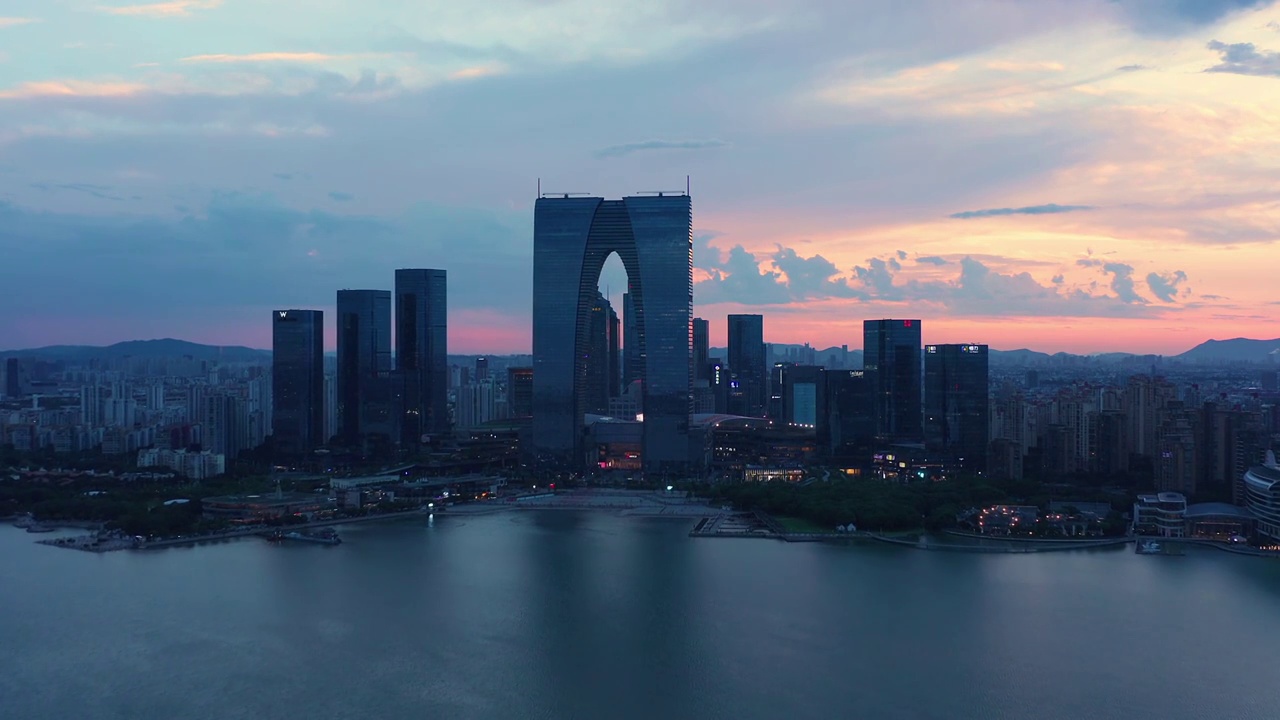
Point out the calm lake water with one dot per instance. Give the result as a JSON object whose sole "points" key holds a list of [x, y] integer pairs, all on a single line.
{"points": [[589, 615]]}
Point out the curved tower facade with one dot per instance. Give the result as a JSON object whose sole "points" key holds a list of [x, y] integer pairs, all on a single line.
{"points": [[573, 236]]}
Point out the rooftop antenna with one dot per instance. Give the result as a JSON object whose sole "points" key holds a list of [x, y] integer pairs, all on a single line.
{"points": [[539, 187], [686, 184]]}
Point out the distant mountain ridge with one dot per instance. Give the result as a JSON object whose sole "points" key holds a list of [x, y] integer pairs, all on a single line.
{"points": [[160, 348], [1243, 350], [1235, 350]]}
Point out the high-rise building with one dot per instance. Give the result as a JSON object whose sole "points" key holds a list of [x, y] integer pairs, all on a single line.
{"points": [[747, 363], [701, 343], [602, 354], [297, 380], [1145, 397], [848, 425], [957, 414], [422, 364], [476, 405], [632, 353], [90, 405], [226, 425], [774, 406], [1177, 464], [482, 369], [719, 379], [804, 395], [891, 360], [520, 392], [1232, 440], [653, 236], [364, 411], [12, 378], [615, 353]]}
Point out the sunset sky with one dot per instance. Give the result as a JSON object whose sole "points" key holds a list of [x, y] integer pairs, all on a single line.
{"points": [[1078, 175]]}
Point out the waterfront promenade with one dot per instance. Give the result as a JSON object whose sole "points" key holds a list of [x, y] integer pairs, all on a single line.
{"points": [[712, 522], [638, 503]]}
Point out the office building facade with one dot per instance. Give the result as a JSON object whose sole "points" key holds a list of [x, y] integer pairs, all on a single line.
{"points": [[701, 347], [520, 392], [297, 380], [957, 408], [747, 363], [364, 408], [848, 423], [653, 236], [891, 360], [422, 363], [602, 356]]}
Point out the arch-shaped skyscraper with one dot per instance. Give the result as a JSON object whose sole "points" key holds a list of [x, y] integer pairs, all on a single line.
{"points": [[573, 236]]}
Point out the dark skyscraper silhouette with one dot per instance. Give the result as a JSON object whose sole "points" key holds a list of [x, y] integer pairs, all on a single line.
{"points": [[365, 415], [956, 405], [891, 358], [653, 236], [422, 365], [632, 359], [701, 340], [297, 380], [849, 425], [804, 395], [602, 355], [520, 392], [12, 378], [747, 363]]}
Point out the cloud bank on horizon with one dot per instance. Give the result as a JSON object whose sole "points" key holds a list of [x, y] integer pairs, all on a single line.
{"points": [[1081, 175]]}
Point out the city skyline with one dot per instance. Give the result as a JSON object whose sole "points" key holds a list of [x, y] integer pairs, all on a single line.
{"points": [[1095, 176]]}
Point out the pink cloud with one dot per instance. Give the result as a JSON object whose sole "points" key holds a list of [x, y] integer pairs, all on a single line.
{"points": [[71, 88], [477, 71], [173, 8], [260, 57], [15, 21]]}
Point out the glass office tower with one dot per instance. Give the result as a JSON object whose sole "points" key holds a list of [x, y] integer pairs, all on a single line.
{"points": [[364, 367], [653, 236], [602, 356], [701, 347], [422, 364], [891, 359], [747, 363], [297, 380], [956, 403]]}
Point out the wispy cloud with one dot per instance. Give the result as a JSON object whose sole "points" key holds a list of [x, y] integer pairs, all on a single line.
{"points": [[303, 57], [1244, 59], [1049, 209], [478, 71], [645, 145], [173, 8], [98, 191], [1014, 66], [15, 21], [71, 88], [337, 196]]}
